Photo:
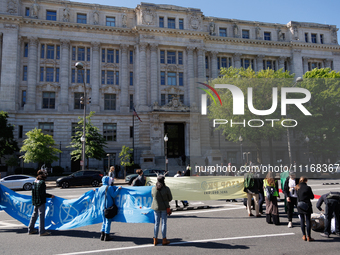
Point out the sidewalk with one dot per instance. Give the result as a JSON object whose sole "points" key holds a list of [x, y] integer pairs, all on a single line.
{"points": [[51, 181]]}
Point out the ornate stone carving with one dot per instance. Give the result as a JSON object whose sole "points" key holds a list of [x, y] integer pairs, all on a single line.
{"points": [[173, 106], [12, 7], [95, 46], [154, 47], [110, 65], [195, 22], [10, 26], [33, 41], [142, 46], [279, 34], [66, 14], [171, 68], [281, 60], [155, 125], [297, 50], [212, 27], [195, 40], [148, 36], [258, 32], [335, 53], [148, 17], [109, 89], [295, 32], [95, 16], [213, 53], [260, 57], [237, 56], [65, 44], [35, 9], [124, 48], [235, 29], [328, 62], [124, 20], [334, 35], [48, 87]]}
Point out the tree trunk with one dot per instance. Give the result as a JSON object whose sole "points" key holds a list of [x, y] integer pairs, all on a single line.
{"points": [[271, 151], [259, 152]]}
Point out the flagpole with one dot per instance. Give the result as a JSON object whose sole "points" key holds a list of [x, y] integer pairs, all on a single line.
{"points": [[133, 137]]}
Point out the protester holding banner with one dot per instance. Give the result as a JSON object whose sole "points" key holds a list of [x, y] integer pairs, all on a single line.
{"points": [[304, 195], [161, 197], [251, 187], [111, 193], [39, 196], [289, 190]]}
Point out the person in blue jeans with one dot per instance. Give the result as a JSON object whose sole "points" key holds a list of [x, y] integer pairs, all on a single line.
{"points": [[112, 192], [161, 197]]}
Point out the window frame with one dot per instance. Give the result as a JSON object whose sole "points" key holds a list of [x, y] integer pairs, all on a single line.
{"points": [[110, 21], [79, 18], [51, 17], [48, 101]]}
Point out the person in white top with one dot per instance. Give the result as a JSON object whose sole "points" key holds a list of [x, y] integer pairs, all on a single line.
{"points": [[185, 203], [290, 193]]}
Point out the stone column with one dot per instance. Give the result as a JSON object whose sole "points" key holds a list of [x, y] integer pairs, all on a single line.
{"points": [[281, 62], [237, 60], [64, 75], [95, 77], [201, 64], [142, 77], [213, 66], [191, 78], [154, 73], [296, 63], [336, 61], [124, 84], [305, 64], [32, 70], [259, 61], [328, 62]]}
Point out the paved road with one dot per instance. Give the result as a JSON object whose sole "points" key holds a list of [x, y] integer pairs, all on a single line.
{"points": [[223, 228]]}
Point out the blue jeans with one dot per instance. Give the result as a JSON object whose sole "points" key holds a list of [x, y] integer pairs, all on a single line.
{"points": [[106, 226], [158, 216], [41, 210]]}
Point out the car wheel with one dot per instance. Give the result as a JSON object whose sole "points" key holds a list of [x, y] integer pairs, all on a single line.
{"points": [[65, 185], [27, 186], [95, 183]]}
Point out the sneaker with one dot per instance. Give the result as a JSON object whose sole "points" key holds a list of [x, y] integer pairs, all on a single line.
{"points": [[35, 231], [45, 234], [324, 235], [290, 224]]}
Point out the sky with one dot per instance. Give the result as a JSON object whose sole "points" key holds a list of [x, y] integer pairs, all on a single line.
{"points": [[273, 11]]}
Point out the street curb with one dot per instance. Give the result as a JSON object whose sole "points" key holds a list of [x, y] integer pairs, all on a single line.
{"points": [[331, 183]]}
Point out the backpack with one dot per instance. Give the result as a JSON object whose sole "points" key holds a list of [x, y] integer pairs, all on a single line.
{"points": [[270, 192], [334, 195], [249, 181]]}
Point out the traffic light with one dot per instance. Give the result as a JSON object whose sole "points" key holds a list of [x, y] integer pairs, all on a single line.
{"points": [[89, 100], [82, 100]]}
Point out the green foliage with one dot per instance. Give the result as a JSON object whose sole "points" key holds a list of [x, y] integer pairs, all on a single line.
{"points": [[125, 156], [7, 143], [94, 143], [323, 127], [262, 83], [39, 148]]}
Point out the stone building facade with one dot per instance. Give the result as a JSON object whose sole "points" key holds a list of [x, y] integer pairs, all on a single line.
{"points": [[149, 57]]}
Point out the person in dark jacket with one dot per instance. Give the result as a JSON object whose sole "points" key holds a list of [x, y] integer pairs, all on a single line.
{"points": [[290, 194], [140, 180], [305, 194], [332, 208], [252, 189], [111, 193], [161, 197], [39, 196]]}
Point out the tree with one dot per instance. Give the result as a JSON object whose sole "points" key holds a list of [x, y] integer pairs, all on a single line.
{"points": [[94, 141], [39, 148], [323, 126], [7, 143], [125, 158], [262, 83]]}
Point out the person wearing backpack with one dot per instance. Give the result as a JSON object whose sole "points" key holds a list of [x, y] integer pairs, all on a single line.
{"points": [[332, 208], [140, 180], [251, 187], [290, 194], [271, 193]]}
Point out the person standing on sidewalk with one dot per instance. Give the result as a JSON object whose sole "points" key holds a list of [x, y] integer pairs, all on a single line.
{"points": [[39, 196], [271, 194], [290, 194]]}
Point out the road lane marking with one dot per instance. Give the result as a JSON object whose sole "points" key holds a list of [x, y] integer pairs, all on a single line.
{"points": [[208, 210], [326, 189], [9, 225], [179, 243]]}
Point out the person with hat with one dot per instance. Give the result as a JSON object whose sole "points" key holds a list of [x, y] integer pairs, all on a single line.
{"points": [[290, 194], [161, 197]]}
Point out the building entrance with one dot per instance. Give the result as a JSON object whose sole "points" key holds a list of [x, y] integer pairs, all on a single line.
{"points": [[176, 145]]}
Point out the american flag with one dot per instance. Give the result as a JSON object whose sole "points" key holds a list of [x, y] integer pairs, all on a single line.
{"points": [[135, 113]]}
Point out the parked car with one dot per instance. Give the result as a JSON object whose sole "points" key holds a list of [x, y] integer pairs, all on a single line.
{"points": [[18, 181], [86, 177], [147, 173]]}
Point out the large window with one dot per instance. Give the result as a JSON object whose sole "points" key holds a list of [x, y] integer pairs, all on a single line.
{"points": [[245, 34], [223, 62], [131, 57], [321, 38], [269, 64], [51, 15], [172, 79], [110, 78], [171, 57], [110, 56], [25, 50], [24, 74], [181, 23], [223, 32], [77, 104], [111, 21], [48, 100], [23, 98], [27, 11], [171, 23], [50, 52], [131, 78], [131, 102], [110, 102], [161, 21], [246, 62], [313, 37], [81, 18], [110, 131], [267, 36], [49, 74], [79, 53], [46, 128], [306, 37]]}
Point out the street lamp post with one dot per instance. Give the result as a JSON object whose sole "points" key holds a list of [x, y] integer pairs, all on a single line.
{"points": [[108, 162], [80, 66], [298, 79], [307, 141], [241, 139], [166, 151]]}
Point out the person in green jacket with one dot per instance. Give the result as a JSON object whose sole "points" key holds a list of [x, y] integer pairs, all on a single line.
{"points": [[39, 196], [161, 197], [271, 194]]}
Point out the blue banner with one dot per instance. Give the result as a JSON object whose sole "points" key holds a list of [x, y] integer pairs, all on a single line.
{"points": [[133, 207]]}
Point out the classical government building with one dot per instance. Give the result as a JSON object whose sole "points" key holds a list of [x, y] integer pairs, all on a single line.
{"points": [[150, 58]]}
